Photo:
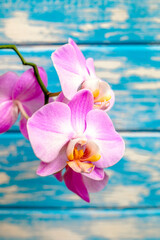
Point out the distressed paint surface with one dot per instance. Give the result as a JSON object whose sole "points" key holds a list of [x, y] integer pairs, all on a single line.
{"points": [[86, 21], [132, 71], [32, 207], [134, 181], [79, 224]]}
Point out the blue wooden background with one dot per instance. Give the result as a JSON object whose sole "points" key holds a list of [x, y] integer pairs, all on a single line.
{"points": [[123, 38]]}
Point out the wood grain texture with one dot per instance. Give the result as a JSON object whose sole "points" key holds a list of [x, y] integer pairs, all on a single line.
{"points": [[116, 34], [79, 224], [87, 21], [134, 181], [132, 71]]}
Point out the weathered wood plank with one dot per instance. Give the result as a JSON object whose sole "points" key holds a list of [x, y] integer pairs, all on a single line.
{"points": [[134, 181], [79, 224], [85, 21], [132, 71]]}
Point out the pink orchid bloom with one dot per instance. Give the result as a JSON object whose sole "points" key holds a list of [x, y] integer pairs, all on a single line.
{"points": [[76, 137], [19, 95], [75, 73]]}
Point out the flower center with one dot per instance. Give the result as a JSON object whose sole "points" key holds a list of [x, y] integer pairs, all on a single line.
{"points": [[101, 92], [82, 156], [102, 102]]}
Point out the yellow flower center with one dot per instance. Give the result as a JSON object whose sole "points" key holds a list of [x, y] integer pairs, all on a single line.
{"points": [[81, 158]]}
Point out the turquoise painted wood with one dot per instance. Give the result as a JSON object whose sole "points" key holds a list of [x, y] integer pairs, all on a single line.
{"points": [[79, 224], [134, 181], [132, 71], [87, 21], [123, 38]]}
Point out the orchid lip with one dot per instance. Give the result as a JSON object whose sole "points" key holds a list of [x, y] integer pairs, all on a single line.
{"points": [[102, 99], [82, 154], [81, 167], [102, 105], [101, 93]]}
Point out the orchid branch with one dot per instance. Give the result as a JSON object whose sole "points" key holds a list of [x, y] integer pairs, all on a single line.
{"points": [[47, 94]]}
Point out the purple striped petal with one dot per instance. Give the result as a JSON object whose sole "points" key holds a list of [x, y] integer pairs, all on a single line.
{"points": [[112, 151], [101, 129], [23, 122], [23, 127], [9, 114], [95, 185], [53, 167], [80, 105], [62, 98], [71, 68], [96, 174], [74, 183], [58, 176], [99, 125], [49, 130], [7, 83], [80, 59], [90, 66], [27, 87], [34, 104]]}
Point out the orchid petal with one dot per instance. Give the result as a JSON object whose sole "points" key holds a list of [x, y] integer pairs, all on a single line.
{"points": [[80, 105], [7, 83], [30, 107], [49, 130], [111, 101], [58, 176], [94, 185], [91, 84], [111, 151], [104, 90], [99, 125], [23, 127], [100, 128], [53, 167], [74, 183], [27, 87], [70, 69], [68, 79], [34, 104], [79, 58], [96, 174], [90, 66], [9, 114], [23, 123], [62, 98]]}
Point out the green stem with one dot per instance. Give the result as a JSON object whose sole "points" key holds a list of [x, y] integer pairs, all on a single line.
{"points": [[41, 84], [54, 94]]}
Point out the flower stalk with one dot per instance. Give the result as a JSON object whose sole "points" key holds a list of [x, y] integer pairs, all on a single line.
{"points": [[47, 94]]}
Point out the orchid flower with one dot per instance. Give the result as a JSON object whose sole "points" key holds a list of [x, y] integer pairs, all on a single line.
{"points": [[19, 95], [75, 73], [78, 138]]}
